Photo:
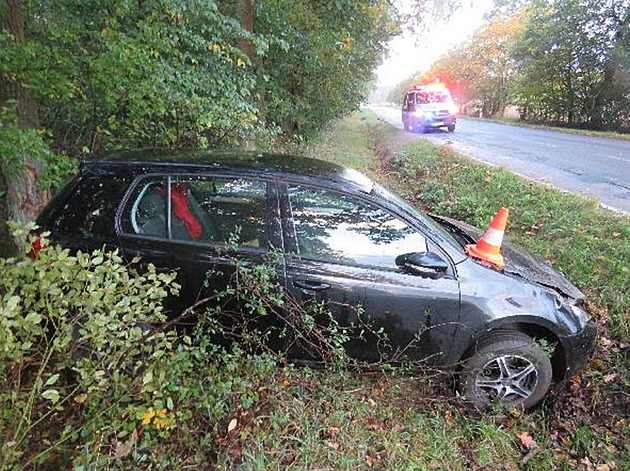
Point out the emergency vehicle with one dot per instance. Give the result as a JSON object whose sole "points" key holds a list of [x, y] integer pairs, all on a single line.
{"points": [[429, 107]]}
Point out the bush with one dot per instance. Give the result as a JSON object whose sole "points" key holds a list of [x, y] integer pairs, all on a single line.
{"points": [[91, 376], [76, 330]]}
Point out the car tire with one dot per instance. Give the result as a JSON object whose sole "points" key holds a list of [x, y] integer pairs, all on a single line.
{"points": [[508, 367], [451, 128]]}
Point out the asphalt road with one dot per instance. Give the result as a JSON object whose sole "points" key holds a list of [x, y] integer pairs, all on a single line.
{"points": [[590, 166]]}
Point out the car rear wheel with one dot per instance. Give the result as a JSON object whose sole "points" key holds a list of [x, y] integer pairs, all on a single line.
{"points": [[506, 367]]}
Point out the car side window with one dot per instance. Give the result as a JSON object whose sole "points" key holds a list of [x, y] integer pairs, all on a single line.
{"points": [[220, 210], [90, 209], [213, 210], [334, 227]]}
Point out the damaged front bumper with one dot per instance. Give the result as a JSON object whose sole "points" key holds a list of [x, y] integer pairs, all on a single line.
{"points": [[578, 348]]}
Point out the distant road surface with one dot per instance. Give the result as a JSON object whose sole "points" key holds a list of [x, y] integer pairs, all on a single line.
{"points": [[590, 166]]}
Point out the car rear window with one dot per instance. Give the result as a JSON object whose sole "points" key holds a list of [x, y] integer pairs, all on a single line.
{"points": [[89, 209]]}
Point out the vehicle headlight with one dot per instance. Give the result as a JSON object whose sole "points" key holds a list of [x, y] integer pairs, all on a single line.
{"points": [[453, 109], [419, 113]]}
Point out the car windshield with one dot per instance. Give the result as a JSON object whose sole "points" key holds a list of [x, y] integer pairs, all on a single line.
{"points": [[422, 98], [431, 223]]}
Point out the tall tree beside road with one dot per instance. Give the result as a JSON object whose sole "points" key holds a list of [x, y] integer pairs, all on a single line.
{"points": [[570, 57], [321, 58], [20, 193]]}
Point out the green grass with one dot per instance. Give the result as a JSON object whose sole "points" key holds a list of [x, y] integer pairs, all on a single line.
{"points": [[585, 132]]}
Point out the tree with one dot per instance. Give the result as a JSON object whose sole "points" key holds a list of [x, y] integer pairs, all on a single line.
{"points": [[321, 58], [571, 58], [20, 169]]}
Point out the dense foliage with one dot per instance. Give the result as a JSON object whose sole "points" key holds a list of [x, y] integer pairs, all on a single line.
{"points": [[112, 74], [90, 377], [575, 63], [560, 61], [322, 63]]}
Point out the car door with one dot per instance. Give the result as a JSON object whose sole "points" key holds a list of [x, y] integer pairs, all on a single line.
{"points": [[201, 225], [341, 250]]}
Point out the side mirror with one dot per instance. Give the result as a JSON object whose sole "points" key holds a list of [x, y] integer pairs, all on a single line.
{"points": [[422, 263]]}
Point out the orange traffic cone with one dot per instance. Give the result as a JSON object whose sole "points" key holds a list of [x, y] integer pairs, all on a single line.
{"points": [[488, 249]]}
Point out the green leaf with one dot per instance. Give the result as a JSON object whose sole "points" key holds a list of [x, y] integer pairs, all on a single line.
{"points": [[52, 395], [52, 380]]}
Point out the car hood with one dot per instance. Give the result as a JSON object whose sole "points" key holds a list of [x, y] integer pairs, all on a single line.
{"points": [[522, 263]]}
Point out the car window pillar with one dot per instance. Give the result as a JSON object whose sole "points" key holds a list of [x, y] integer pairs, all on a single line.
{"points": [[168, 207], [274, 225]]}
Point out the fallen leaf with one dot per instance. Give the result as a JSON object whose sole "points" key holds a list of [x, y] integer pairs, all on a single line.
{"points": [[232, 425], [80, 398], [603, 467], [527, 440], [333, 445], [597, 364], [610, 377]]}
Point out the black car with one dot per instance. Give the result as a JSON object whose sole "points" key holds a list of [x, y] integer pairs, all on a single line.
{"points": [[511, 331]]}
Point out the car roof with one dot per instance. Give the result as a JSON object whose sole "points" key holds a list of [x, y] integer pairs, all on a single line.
{"points": [[250, 161]]}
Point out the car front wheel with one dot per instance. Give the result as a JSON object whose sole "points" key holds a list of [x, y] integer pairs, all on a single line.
{"points": [[451, 128], [507, 367]]}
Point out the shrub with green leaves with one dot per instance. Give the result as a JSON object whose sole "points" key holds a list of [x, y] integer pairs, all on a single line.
{"points": [[74, 328]]}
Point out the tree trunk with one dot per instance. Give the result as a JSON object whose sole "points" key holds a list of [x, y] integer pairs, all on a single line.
{"points": [[23, 199], [245, 14]]}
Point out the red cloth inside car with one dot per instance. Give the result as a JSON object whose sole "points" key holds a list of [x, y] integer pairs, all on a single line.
{"points": [[179, 198]]}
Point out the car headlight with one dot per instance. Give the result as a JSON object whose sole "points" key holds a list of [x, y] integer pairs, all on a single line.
{"points": [[419, 113]]}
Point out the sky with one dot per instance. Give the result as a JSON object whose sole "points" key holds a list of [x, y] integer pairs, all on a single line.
{"points": [[410, 53]]}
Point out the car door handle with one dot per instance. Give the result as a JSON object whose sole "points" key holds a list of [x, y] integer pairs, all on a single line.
{"points": [[311, 285]]}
